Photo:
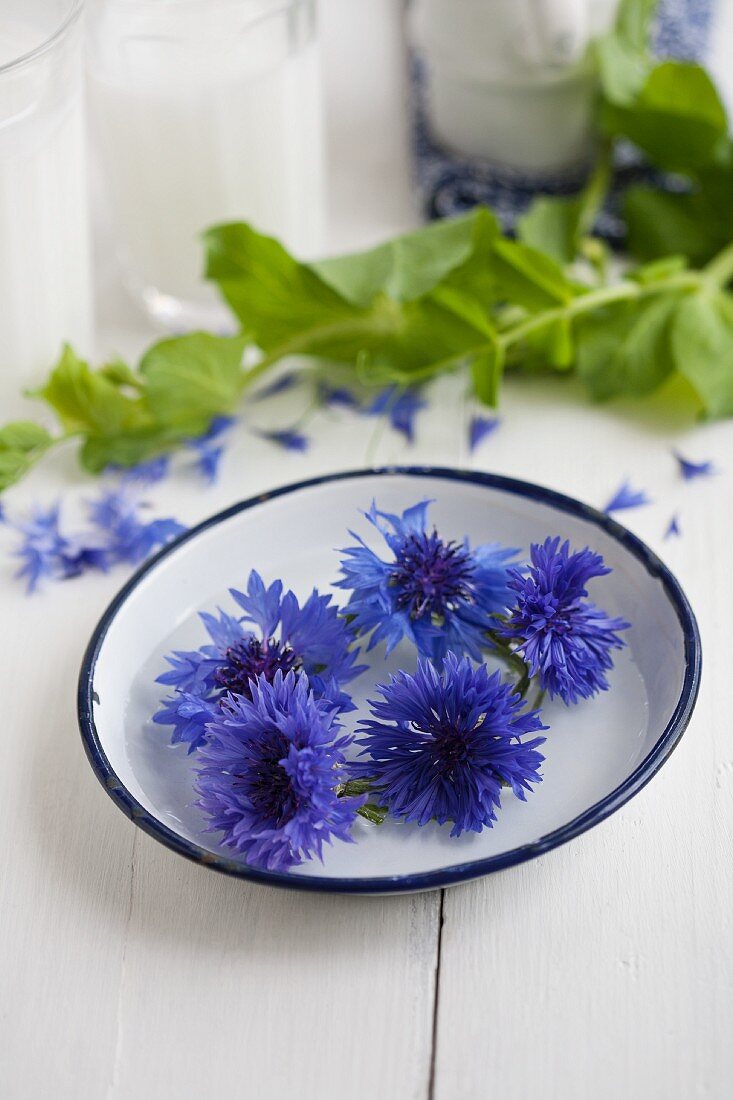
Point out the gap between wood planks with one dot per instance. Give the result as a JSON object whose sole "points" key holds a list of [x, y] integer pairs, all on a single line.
{"points": [[436, 995]]}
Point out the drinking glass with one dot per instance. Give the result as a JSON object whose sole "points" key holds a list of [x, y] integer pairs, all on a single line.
{"points": [[45, 287], [204, 111]]}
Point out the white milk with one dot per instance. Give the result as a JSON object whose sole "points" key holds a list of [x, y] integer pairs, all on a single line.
{"points": [[201, 123], [511, 80], [45, 292]]}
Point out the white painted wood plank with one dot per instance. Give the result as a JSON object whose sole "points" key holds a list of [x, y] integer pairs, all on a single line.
{"points": [[232, 989], [605, 969], [64, 885]]}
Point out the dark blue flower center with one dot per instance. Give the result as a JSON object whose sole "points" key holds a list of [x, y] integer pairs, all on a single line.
{"points": [[432, 577], [249, 658], [268, 785], [451, 749]]}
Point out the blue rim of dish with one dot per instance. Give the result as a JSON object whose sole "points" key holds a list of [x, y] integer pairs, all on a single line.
{"points": [[445, 876]]}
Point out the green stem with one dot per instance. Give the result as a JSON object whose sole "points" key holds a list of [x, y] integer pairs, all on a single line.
{"points": [[595, 190], [625, 291], [512, 660]]}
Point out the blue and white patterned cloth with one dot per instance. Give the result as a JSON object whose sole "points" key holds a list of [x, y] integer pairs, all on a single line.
{"points": [[451, 184]]}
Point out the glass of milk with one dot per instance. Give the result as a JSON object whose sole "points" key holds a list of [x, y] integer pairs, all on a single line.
{"points": [[45, 290], [204, 111]]}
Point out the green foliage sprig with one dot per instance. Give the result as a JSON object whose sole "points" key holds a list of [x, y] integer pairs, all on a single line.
{"points": [[457, 294]]}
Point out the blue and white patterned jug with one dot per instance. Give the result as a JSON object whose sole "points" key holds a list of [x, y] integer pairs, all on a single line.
{"points": [[504, 93]]}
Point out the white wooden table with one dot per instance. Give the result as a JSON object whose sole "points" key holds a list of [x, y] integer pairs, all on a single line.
{"points": [[604, 969]]}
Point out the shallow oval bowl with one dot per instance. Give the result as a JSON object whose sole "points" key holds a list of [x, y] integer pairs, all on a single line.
{"points": [[598, 754]]}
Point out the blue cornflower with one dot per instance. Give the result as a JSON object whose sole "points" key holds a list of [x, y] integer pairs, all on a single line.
{"points": [[46, 552], [479, 428], [128, 538], [287, 438], [401, 406], [440, 595], [209, 449], [691, 470], [625, 497], [312, 639], [564, 638], [442, 743], [270, 772]]}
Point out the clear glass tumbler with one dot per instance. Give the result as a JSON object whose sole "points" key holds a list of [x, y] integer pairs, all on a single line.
{"points": [[45, 288], [204, 111]]}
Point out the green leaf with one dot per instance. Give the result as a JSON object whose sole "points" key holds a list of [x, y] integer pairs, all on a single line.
{"points": [[486, 372], [623, 70], [375, 814], [528, 277], [120, 374], [21, 444], [13, 466], [697, 225], [551, 226], [677, 118], [634, 20], [277, 299], [131, 447], [190, 379], [87, 402], [658, 271], [702, 347], [354, 787], [623, 56], [290, 309], [24, 436], [557, 225], [409, 266], [625, 348]]}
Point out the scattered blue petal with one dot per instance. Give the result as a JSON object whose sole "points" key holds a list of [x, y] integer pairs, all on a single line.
{"points": [[673, 528], [426, 581], [145, 473], [288, 438], [285, 382], [46, 553], [626, 497], [336, 396], [564, 639], [128, 538], [209, 449], [208, 461], [270, 772], [691, 470], [401, 406], [218, 426], [441, 745], [479, 428]]}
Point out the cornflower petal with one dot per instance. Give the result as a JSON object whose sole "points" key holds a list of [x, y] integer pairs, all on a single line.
{"points": [[691, 470], [480, 428], [626, 497]]}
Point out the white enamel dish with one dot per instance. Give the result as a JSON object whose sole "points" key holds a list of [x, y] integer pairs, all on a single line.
{"points": [[598, 754]]}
